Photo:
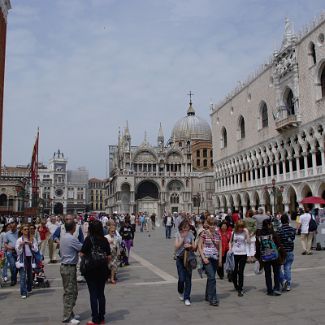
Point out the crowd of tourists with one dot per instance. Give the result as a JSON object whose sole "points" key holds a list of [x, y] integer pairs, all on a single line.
{"points": [[223, 244], [96, 246]]}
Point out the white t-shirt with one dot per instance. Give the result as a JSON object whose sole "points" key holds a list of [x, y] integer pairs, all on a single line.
{"points": [[169, 221], [132, 219], [239, 243], [304, 220], [52, 227], [104, 220]]}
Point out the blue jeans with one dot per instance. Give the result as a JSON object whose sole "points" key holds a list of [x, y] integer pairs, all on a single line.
{"points": [[286, 273], [211, 286], [26, 277], [184, 279], [11, 258], [168, 231]]}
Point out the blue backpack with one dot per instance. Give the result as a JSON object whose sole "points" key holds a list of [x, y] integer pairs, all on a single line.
{"points": [[269, 251]]}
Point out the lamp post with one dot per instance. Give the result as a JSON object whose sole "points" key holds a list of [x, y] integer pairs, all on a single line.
{"points": [[275, 192]]}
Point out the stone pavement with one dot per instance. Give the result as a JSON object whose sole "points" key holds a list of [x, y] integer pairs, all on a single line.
{"points": [[147, 294]]}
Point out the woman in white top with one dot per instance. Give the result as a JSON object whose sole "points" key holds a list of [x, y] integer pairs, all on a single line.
{"points": [[115, 251], [25, 247], [238, 245]]}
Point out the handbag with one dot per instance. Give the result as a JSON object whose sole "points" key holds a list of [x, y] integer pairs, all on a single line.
{"points": [[190, 260], [20, 261]]}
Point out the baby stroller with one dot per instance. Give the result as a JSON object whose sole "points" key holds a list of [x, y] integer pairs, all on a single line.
{"points": [[39, 278], [123, 254]]}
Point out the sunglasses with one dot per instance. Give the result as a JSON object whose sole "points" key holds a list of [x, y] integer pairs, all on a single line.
{"points": [[25, 229]]}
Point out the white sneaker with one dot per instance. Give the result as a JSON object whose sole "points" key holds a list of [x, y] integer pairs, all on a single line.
{"points": [[181, 298], [74, 321], [187, 302], [5, 279], [23, 297]]}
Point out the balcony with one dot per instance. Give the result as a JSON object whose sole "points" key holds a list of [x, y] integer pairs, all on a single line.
{"points": [[284, 120]]}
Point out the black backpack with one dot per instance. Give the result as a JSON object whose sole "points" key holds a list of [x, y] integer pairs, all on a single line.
{"points": [[96, 259], [312, 224]]}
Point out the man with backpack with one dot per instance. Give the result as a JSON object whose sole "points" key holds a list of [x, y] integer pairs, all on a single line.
{"points": [[307, 232]]}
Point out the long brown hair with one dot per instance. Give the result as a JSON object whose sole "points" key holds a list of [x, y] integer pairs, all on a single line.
{"points": [[239, 224]]}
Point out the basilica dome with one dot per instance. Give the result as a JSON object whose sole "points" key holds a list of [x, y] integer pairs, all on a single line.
{"points": [[191, 127]]}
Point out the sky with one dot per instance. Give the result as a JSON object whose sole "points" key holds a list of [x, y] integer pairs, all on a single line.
{"points": [[79, 69]]}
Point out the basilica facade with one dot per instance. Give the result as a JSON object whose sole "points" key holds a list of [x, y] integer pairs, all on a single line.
{"points": [[174, 175], [269, 133]]}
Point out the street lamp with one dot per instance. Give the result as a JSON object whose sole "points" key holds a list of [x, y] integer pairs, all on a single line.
{"points": [[275, 192]]}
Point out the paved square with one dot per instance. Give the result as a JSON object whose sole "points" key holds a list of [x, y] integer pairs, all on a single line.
{"points": [[146, 293]]}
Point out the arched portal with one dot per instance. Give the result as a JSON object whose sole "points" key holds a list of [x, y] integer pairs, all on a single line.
{"points": [[292, 198], [3, 200], [147, 195], [58, 208], [306, 192]]}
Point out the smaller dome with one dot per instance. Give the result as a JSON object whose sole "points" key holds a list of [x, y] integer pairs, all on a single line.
{"points": [[191, 127]]}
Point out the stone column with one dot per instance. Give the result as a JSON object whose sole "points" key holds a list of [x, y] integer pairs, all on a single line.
{"points": [[244, 211], [313, 153]]}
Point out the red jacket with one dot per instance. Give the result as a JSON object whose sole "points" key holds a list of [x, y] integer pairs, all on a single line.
{"points": [[225, 239]]}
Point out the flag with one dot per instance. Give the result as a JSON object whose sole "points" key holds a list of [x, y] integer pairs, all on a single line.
{"points": [[34, 172]]}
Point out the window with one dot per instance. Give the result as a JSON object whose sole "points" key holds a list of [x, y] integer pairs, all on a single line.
{"points": [[197, 153], [223, 138], [322, 81], [198, 162], [205, 163], [290, 103], [264, 116], [205, 153], [312, 53], [241, 127]]}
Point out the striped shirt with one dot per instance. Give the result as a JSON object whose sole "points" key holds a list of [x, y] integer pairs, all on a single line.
{"points": [[287, 236]]}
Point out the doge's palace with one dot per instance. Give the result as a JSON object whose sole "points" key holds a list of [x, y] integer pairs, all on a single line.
{"points": [[268, 134]]}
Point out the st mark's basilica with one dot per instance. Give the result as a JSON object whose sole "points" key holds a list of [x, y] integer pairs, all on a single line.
{"points": [[173, 175]]}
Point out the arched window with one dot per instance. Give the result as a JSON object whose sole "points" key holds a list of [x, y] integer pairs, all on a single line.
{"points": [[241, 127], [289, 103], [264, 116], [312, 53], [198, 162], [223, 138], [322, 81]]}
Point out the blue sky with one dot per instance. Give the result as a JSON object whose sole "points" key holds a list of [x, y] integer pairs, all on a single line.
{"points": [[79, 69]]}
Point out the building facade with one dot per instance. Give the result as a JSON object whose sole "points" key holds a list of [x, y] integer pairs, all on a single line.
{"points": [[14, 190], [4, 8], [164, 177], [268, 134], [96, 194], [61, 190]]}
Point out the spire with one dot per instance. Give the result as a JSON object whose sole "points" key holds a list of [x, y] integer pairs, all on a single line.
{"points": [[160, 138], [190, 110], [288, 36], [126, 130], [145, 140], [160, 133]]}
